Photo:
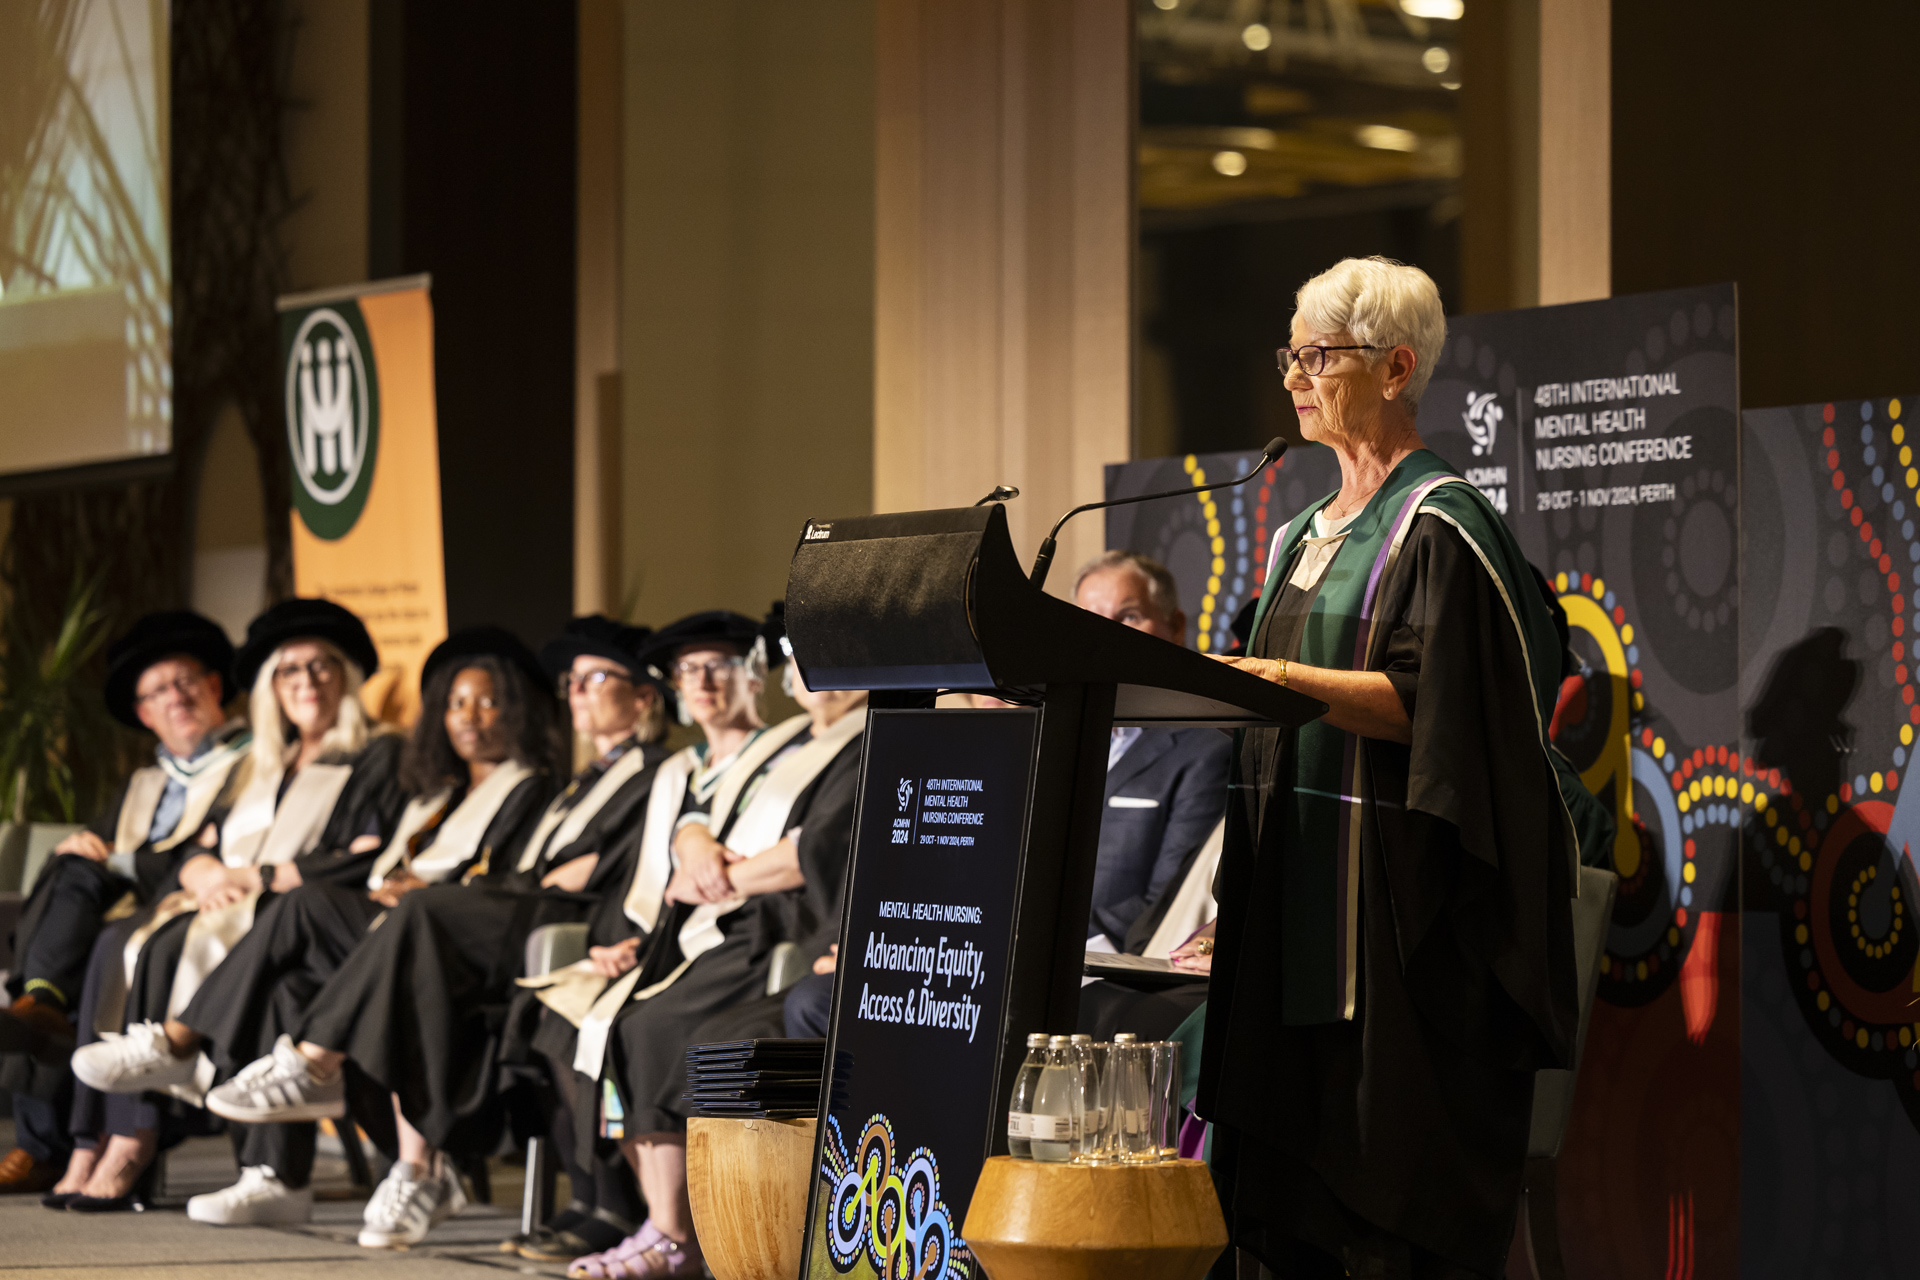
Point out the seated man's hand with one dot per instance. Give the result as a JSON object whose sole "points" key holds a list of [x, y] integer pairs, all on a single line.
{"points": [[701, 873], [1195, 955], [85, 844], [571, 876], [615, 960], [827, 962], [396, 887]]}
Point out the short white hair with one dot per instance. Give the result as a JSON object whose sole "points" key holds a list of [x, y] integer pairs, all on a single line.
{"points": [[1382, 303]]}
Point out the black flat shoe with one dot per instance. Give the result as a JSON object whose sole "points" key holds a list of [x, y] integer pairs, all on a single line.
{"points": [[58, 1199], [138, 1200]]}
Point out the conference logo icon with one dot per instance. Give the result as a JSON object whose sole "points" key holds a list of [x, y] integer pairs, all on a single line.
{"points": [[904, 793], [333, 432], [1482, 419]]}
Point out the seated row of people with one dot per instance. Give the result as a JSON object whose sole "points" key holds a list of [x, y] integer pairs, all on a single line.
{"points": [[321, 918]]}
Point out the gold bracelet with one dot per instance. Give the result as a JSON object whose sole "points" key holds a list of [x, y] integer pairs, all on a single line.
{"points": [[1283, 673]]}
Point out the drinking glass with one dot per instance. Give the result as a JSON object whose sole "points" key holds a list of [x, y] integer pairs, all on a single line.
{"points": [[1163, 1099]]}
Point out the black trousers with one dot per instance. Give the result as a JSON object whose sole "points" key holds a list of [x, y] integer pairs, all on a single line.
{"points": [[62, 918], [602, 1181], [94, 1115], [1280, 1211], [261, 991], [419, 1005]]}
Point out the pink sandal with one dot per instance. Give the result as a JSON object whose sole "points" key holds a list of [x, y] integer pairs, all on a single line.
{"points": [[645, 1255]]}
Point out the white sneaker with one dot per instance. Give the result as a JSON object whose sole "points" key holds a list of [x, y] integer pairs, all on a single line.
{"points": [[280, 1087], [132, 1063], [409, 1202], [258, 1199]]}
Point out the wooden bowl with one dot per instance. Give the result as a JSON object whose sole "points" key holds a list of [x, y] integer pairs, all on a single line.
{"points": [[748, 1182], [1034, 1221]]}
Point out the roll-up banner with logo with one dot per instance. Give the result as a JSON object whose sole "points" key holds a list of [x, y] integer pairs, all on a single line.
{"points": [[357, 367]]}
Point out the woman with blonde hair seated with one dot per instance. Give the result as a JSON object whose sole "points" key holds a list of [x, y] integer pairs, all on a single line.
{"points": [[317, 792]]}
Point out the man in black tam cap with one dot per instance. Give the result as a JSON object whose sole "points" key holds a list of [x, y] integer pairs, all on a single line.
{"points": [[416, 1005], [169, 675]]}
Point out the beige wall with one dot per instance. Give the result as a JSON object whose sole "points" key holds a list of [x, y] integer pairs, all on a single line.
{"points": [[1536, 113], [1006, 244], [747, 292]]}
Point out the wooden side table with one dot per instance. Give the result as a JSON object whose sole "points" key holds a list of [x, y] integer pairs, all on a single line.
{"points": [[747, 1180], [1034, 1221]]}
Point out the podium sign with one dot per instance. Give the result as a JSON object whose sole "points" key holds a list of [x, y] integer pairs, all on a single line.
{"points": [[921, 1008]]}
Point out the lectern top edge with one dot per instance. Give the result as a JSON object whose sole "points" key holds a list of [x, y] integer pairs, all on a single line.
{"points": [[925, 600]]}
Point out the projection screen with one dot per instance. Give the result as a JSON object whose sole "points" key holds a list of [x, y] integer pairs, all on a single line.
{"points": [[86, 281]]}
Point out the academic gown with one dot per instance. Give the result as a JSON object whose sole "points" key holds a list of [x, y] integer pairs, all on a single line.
{"points": [[298, 941], [369, 804], [647, 1047], [70, 898], [420, 1005], [1407, 1123]]}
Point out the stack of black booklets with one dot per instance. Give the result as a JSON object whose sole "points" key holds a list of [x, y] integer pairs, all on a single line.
{"points": [[755, 1079]]}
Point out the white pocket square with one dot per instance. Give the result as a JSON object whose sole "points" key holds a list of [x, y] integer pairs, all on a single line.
{"points": [[1132, 802]]}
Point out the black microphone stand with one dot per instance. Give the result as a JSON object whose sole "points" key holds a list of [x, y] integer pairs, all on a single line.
{"points": [[1043, 561]]}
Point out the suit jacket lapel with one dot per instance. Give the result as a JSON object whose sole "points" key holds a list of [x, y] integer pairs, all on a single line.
{"points": [[1147, 748]]}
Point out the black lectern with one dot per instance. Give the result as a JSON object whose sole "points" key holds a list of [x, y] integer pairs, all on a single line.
{"points": [[965, 920]]}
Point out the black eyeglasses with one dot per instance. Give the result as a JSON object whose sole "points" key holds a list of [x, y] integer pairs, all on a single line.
{"points": [[590, 681], [1313, 360], [318, 671]]}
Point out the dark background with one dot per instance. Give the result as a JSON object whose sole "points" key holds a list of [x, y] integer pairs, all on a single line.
{"points": [[473, 112]]}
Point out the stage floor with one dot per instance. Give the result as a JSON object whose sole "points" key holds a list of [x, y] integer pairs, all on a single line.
{"points": [[162, 1243]]}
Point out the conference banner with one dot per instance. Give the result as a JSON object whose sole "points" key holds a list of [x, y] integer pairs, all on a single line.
{"points": [[1830, 958], [357, 368], [1607, 434]]}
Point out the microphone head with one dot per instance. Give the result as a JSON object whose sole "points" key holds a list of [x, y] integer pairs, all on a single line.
{"points": [[1276, 447]]}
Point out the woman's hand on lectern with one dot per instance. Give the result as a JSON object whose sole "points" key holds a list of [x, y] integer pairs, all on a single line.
{"points": [[1195, 955]]}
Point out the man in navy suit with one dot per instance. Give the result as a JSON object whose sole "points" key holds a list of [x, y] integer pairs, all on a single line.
{"points": [[1166, 788]]}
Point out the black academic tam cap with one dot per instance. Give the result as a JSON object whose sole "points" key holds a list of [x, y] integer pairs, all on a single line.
{"points": [[715, 626], [484, 642], [599, 636], [299, 619], [774, 632], [159, 636]]}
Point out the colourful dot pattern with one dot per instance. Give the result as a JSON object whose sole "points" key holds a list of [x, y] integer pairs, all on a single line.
{"points": [[1235, 537]]}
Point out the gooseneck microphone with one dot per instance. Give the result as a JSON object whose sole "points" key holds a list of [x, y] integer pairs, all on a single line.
{"points": [[1044, 560], [1001, 493]]}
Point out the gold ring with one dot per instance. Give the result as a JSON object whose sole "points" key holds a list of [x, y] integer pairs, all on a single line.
{"points": [[1204, 946]]}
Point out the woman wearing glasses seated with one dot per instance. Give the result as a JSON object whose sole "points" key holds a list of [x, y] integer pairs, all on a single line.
{"points": [[762, 863], [318, 791], [478, 768], [1393, 957]]}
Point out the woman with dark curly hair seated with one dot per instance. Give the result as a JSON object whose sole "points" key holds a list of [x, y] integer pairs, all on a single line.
{"points": [[479, 768]]}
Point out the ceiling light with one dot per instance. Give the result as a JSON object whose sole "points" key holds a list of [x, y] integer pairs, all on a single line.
{"points": [[1436, 59], [1384, 137], [1445, 10], [1229, 164], [1257, 37], [1166, 5], [1449, 84]]}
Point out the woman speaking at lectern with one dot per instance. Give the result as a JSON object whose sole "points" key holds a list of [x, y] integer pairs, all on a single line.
{"points": [[1393, 959]]}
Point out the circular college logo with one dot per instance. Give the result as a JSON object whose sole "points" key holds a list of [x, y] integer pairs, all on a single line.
{"points": [[333, 429]]}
